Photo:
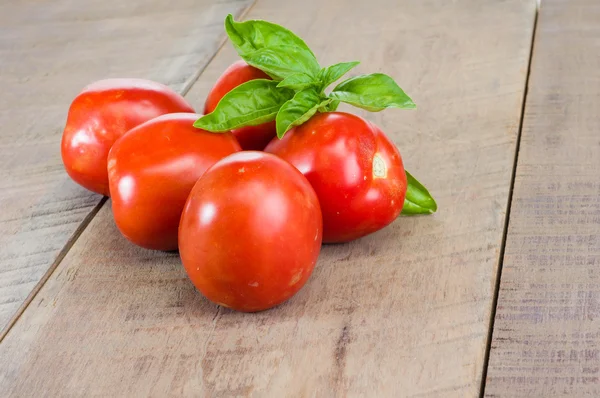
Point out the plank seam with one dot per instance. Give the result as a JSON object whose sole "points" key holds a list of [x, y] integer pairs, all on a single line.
{"points": [[490, 336], [61, 255], [90, 216], [194, 78]]}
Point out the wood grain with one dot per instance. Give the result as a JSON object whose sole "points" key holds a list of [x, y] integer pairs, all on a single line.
{"points": [[48, 52], [404, 312], [546, 340]]}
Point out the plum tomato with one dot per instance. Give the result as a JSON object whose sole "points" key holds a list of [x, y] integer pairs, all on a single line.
{"points": [[100, 114], [249, 137], [356, 171], [152, 170], [250, 232]]}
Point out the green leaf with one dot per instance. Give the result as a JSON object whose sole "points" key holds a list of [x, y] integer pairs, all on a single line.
{"points": [[373, 92], [298, 81], [418, 199], [249, 104], [332, 73], [271, 48], [298, 110]]}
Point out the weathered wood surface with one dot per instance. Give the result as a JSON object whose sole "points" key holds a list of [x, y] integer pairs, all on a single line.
{"points": [[404, 312], [48, 52], [546, 340]]}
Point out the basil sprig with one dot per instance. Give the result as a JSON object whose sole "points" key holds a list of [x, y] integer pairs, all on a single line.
{"points": [[296, 73], [297, 91]]}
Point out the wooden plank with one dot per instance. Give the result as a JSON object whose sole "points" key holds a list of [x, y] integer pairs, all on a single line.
{"points": [[403, 312], [48, 52], [546, 341]]}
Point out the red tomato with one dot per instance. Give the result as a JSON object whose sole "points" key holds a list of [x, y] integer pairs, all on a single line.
{"points": [[152, 170], [250, 137], [251, 231], [355, 170], [100, 114]]}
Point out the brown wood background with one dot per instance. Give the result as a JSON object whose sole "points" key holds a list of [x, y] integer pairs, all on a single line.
{"points": [[546, 338], [405, 312]]}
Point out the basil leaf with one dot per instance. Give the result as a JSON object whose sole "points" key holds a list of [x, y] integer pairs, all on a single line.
{"points": [[298, 110], [271, 48], [298, 81], [418, 199], [332, 73], [249, 104], [373, 92]]}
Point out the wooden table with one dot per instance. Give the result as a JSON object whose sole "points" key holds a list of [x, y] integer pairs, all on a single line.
{"points": [[496, 295]]}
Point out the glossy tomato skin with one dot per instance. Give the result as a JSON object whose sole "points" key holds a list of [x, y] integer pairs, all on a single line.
{"points": [[356, 171], [152, 170], [103, 112], [251, 232], [249, 137]]}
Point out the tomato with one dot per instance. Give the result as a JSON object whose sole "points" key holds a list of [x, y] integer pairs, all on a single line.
{"points": [[355, 170], [100, 114], [251, 231], [152, 170], [249, 137]]}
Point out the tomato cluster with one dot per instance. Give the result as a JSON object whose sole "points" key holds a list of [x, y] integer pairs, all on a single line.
{"points": [[250, 230], [249, 200]]}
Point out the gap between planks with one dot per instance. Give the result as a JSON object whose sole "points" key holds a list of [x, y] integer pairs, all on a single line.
{"points": [[488, 345], [88, 219]]}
